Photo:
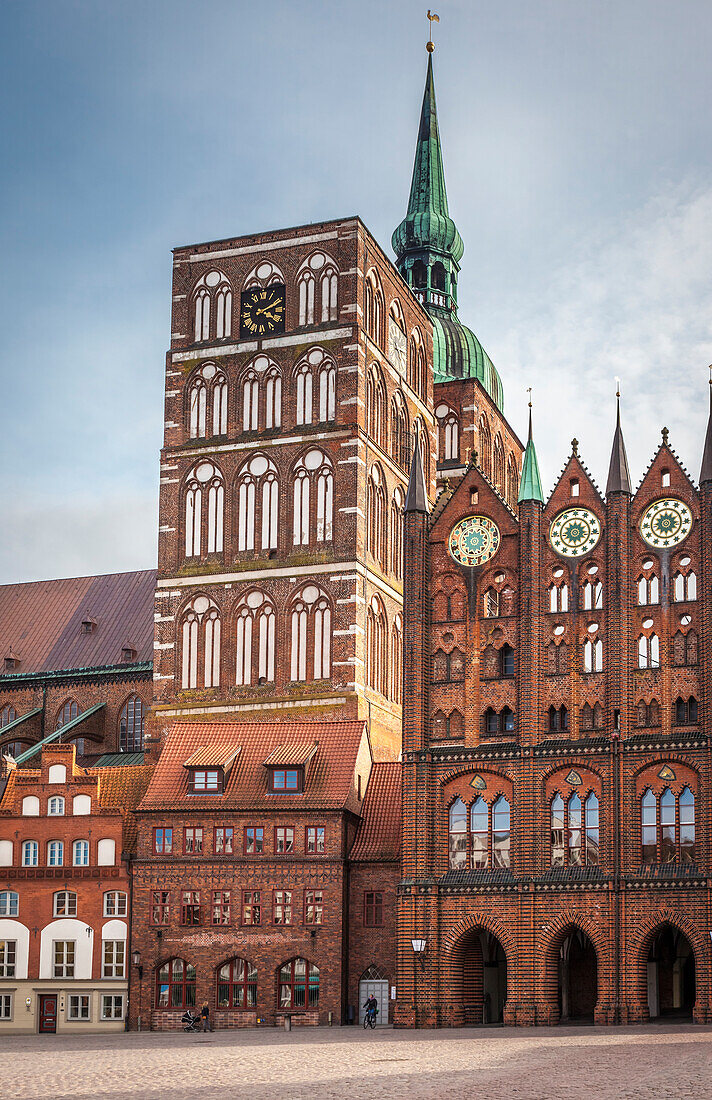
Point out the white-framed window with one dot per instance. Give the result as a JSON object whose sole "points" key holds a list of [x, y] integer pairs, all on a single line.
{"points": [[113, 964], [65, 904], [63, 953], [8, 958], [55, 807], [204, 510], [5, 1006], [255, 637], [9, 903], [80, 853], [30, 853], [310, 635], [112, 1006], [313, 466], [327, 393], [79, 1006], [115, 903], [304, 394], [55, 853], [200, 636], [257, 488]]}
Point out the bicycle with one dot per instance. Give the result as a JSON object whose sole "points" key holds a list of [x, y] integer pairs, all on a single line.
{"points": [[369, 1019]]}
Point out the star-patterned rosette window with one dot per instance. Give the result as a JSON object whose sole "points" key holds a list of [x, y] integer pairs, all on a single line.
{"points": [[666, 523], [474, 540], [574, 532]]}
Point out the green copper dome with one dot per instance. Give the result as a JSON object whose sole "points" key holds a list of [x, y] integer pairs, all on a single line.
{"points": [[428, 251]]}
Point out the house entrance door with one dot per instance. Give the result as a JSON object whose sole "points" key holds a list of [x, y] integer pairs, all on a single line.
{"points": [[48, 1012]]}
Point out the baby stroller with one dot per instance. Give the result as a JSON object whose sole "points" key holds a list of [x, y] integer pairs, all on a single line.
{"points": [[189, 1021]]}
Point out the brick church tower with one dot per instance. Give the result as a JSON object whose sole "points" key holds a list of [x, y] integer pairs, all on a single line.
{"points": [[556, 737], [296, 381]]}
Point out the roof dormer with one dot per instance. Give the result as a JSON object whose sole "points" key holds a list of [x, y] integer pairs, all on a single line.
{"points": [[288, 766], [209, 768], [89, 625], [11, 660]]}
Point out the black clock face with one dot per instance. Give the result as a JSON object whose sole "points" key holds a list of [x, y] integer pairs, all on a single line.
{"points": [[262, 311]]}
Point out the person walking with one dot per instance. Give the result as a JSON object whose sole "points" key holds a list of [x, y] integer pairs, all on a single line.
{"points": [[205, 1017]]}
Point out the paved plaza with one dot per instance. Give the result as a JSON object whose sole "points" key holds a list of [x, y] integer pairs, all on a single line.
{"points": [[349, 1064]]}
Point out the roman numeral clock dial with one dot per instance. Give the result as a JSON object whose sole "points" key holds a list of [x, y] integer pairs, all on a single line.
{"points": [[262, 311]]}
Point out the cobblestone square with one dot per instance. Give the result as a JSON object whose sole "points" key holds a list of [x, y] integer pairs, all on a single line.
{"points": [[332, 1064]]}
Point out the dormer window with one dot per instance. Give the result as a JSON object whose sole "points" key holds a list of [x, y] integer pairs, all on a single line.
{"points": [[209, 768], [208, 780], [288, 768], [286, 780], [128, 653], [88, 625], [11, 661]]}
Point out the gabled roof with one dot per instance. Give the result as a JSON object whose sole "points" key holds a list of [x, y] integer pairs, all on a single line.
{"points": [[330, 784], [379, 833], [42, 620], [290, 756]]}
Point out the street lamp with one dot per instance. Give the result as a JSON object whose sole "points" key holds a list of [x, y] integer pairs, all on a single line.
{"points": [[419, 950], [136, 960]]}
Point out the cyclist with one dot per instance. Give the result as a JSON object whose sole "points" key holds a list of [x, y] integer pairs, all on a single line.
{"points": [[371, 1006]]}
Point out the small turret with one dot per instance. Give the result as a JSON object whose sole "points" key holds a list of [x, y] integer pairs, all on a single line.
{"points": [[530, 484], [417, 497], [618, 472]]}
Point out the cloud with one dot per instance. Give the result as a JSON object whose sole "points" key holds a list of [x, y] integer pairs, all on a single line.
{"points": [[634, 301]]}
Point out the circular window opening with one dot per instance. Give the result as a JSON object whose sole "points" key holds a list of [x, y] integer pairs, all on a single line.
{"points": [[648, 563], [685, 560], [558, 572], [558, 631], [592, 569], [647, 623], [686, 620], [592, 628]]}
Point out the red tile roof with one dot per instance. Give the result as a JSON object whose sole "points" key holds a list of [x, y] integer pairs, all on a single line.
{"points": [[379, 834], [212, 756], [331, 782], [290, 756], [41, 621]]}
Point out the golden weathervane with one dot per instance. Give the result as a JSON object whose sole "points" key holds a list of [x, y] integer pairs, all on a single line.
{"points": [[433, 18]]}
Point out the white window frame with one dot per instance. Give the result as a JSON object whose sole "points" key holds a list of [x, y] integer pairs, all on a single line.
{"points": [[117, 895], [114, 999], [114, 968], [77, 998], [6, 1006]]}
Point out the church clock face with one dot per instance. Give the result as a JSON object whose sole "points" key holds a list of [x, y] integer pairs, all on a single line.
{"points": [[574, 532], [262, 311], [666, 523], [474, 540]]}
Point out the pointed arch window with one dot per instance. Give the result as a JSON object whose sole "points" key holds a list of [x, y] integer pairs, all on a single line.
{"points": [[212, 298], [327, 393], [175, 984], [558, 719], [498, 465], [648, 651], [484, 438], [304, 383], [685, 711], [376, 646], [257, 488], [489, 834], [512, 480], [250, 402], [592, 595], [559, 597], [307, 289], [591, 717], [648, 590], [667, 826], [685, 587], [376, 515], [273, 399], [131, 721], [396, 537], [593, 655], [198, 400], [200, 644], [224, 312], [400, 432], [458, 835], [685, 648], [375, 405], [255, 639], [207, 395], [558, 659], [313, 482], [70, 711], [574, 830], [420, 433], [375, 308], [204, 509], [329, 287], [397, 660], [310, 623]]}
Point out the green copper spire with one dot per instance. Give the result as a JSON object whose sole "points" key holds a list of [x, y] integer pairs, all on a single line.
{"points": [[428, 251], [428, 226], [530, 485]]}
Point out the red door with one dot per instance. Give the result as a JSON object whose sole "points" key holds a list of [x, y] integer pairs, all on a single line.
{"points": [[48, 1013]]}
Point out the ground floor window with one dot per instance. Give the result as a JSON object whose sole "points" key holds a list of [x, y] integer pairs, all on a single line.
{"points": [[5, 1006], [175, 985], [79, 1004], [237, 985], [298, 984], [112, 1006]]}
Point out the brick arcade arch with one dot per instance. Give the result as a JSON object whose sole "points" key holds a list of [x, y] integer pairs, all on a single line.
{"points": [[572, 957], [476, 958], [667, 954]]}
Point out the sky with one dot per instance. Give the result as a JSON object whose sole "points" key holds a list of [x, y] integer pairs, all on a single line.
{"points": [[577, 142]]}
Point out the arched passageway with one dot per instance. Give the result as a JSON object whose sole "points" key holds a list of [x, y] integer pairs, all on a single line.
{"points": [[671, 977], [483, 970], [578, 978]]}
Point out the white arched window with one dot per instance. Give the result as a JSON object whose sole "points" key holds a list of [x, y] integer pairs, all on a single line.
{"points": [[273, 399], [327, 393], [593, 655], [212, 297], [207, 391], [397, 660], [648, 651], [255, 639], [314, 466], [304, 394], [375, 405], [257, 482], [375, 307], [448, 434], [376, 515], [310, 628], [200, 644], [220, 405], [80, 853], [198, 402], [250, 402], [376, 649], [204, 493], [397, 510], [307, 285], [329, 285]]}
